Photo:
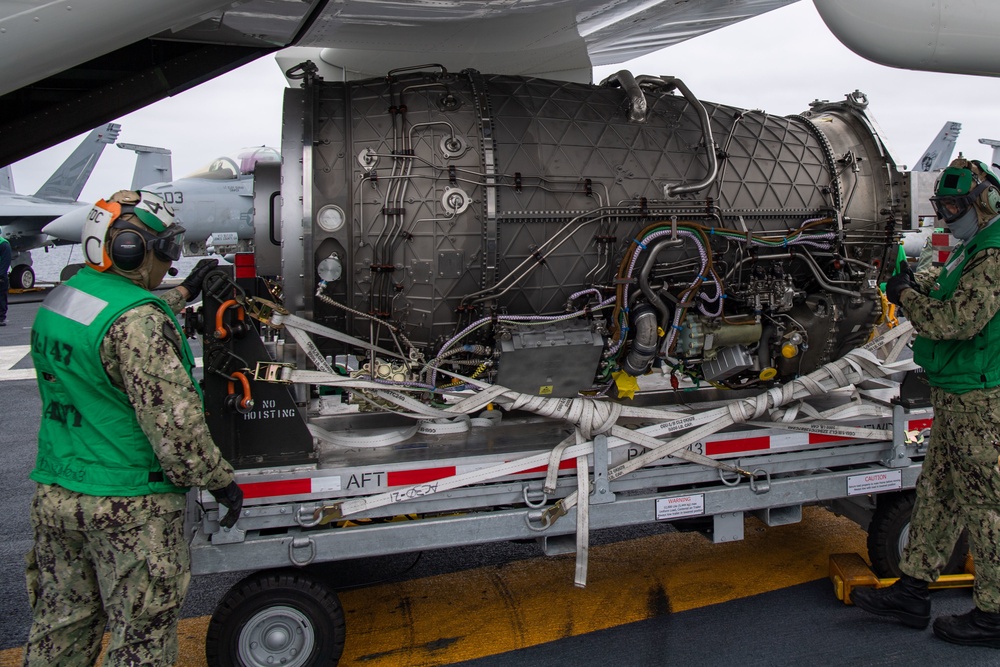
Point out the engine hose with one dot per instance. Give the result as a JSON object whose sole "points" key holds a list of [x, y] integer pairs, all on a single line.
{"points": [[647, 268], [643, 348]]}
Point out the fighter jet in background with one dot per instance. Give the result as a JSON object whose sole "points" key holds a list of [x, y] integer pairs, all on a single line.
{"points": [[215, 203], [22, 217], [938, 154], [922, 180]]}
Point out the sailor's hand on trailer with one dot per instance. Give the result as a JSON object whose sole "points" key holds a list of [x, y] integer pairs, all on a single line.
{"points": [[230, 497], [197, 276]]}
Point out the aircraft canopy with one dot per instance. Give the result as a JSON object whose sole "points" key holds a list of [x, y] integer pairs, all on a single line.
{"points": [[231, 167]]}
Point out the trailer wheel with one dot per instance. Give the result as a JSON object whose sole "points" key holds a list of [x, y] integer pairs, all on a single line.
{"points": [[889, 532], [280, 617]]}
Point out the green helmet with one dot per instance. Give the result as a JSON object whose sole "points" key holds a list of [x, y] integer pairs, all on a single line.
{"points": [[963, 184]]}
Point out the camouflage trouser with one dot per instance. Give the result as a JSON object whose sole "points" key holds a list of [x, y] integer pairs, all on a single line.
{"points": [[959, 487], [132, 578]]}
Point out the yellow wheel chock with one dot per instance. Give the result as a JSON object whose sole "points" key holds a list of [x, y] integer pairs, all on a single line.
{"points": [[849, 571]]}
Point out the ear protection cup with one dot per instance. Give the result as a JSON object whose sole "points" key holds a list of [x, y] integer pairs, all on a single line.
{"points": [[128, 250], [991, 199]]}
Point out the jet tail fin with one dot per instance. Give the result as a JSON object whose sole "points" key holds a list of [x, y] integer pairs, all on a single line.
{"points": [[938, 154], [152, 165], [6, 179], [67, 182], [995, 145]]}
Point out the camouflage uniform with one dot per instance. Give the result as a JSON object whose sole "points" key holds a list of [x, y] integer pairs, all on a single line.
{"points": [[959, 484], [124, 561]]}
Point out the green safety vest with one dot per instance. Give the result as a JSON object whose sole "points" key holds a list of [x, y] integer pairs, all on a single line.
{"points": [[959, 366], [90, 440]]}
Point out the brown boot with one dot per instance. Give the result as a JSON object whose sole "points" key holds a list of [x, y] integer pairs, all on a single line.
{"points": [[908, 600], [976, 628]]}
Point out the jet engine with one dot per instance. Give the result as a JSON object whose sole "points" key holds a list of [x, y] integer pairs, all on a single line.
{"points": [[558, 238]]}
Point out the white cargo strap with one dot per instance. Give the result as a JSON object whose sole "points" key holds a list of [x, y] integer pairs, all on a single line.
{"points": [[582, 519], [370, 440], [860, 361], [849, 411], [307, 344], [829, 428], [291, 322], [600, 417], [354, 505], [459, 424], [555, 458], [361, 504]]}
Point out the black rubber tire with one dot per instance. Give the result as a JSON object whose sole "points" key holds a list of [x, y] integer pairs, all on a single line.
{"points": [[22, 276], [887, 534], [279, 599]]}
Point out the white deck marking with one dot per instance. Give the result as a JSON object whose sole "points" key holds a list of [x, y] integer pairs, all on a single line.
{"points": [[11, 355]]}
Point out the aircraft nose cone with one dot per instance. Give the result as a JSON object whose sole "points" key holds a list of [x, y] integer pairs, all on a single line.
{"points": [[68, 227]]}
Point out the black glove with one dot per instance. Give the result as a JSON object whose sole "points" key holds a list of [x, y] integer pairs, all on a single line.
{"points": [[904, 268], [230, 497], [197, 276], [899, 282]]}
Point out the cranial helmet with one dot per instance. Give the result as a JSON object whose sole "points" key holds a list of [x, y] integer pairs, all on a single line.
{"points": [[123, 230], [963, 184]]}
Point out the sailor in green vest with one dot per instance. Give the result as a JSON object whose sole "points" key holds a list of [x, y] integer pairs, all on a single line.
{"points": [[956, 314], [122, 438]]}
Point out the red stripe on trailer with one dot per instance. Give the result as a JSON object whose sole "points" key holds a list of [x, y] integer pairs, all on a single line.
{"points": [[563, 465], [819, 438], [919, 424], [741, 445], [286, 487], [408, 477]]}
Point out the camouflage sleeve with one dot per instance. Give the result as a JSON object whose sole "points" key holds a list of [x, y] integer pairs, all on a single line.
{"points": [[926, 278], [141, 358], [974, 303], [174, 300]]}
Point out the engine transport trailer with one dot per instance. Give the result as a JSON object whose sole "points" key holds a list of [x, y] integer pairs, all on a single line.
{"points": [[510, 308]]}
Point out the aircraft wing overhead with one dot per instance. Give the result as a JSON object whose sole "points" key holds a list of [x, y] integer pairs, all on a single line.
{"points": [[546, 37], [157, 48]]}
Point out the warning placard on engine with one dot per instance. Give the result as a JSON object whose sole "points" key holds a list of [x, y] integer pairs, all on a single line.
{"points": [[886, 480], [677, 507]]}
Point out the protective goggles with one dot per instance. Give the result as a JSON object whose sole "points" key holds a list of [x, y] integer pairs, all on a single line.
{"points": [[952, 207], [167, 245]]}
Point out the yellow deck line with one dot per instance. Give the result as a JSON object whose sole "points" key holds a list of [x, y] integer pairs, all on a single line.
{"points": [[443, 619]]}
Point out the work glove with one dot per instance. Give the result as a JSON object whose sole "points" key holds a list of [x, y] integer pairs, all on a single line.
{"points": [[230, 497], [899, 282], [197, 276]]}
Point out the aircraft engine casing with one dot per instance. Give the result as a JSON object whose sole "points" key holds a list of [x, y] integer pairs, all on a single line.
{"points": [[510, 226]]}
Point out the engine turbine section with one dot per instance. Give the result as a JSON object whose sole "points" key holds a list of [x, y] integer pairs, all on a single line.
{"points": [[555, 236]]}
